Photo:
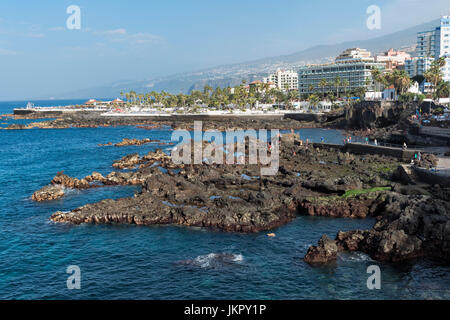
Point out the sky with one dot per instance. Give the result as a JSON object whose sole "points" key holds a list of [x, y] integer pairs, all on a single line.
{"points": [[144, 39]]}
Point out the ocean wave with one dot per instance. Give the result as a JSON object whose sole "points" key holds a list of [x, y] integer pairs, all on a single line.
{"points": [[214, 260], [354, 257]]}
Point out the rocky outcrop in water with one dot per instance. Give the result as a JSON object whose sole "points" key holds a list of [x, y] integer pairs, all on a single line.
{"points": [[128, 161], [353, 207], [232, 197], [64, 180], [310, 181], [94, 180], [409, 227], [134, 142], [325, 251], [48, 193]]}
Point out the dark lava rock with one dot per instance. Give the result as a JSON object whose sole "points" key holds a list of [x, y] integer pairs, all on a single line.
{"points": [[410, 227], [48, 193], [325, 251]]}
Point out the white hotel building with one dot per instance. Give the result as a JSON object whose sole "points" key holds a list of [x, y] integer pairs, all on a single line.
{"points": [[443, 45], [283, 79], [353, 65], [431, 45]]}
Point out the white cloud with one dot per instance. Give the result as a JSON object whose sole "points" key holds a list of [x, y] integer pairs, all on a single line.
{"points": [[121, 35], [57, 29], [6, 52], [34, 35], [120, 31], [143, 37]]}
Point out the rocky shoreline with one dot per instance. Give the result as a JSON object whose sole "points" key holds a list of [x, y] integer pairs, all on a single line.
{"points": [[408, 227], [387, 122], [412, 219], [92, 120]]}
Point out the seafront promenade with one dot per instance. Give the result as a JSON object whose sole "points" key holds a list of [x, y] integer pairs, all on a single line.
{"points": [[215, 115]]}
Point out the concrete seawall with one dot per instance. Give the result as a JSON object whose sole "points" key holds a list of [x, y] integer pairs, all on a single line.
{"points": [[432, 177], [309, 117], [405, 155], [440, 133], [359, 148]]}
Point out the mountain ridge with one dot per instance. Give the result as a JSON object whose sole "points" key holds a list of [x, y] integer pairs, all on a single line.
{"points": [[232, 74]]}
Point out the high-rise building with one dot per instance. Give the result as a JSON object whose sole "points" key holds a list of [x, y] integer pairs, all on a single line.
{"points": [[418, 65], [432, 44], [353, 68], [443, 45], [426, 43], [283, 79]]}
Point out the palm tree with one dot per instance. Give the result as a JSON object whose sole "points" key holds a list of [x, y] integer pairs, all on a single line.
{"points": [[337, 83], [323, 83], [434, 74], [399, 79], [345, 85], [378, 78], [128, 97], [313, 100]]}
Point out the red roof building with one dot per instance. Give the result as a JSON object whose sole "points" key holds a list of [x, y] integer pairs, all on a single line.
{"points": [[91, 102]]}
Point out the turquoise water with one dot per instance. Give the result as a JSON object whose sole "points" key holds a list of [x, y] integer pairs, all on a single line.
{"points": [[165, 262]]}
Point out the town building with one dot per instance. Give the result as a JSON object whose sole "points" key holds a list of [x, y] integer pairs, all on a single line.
{"points": [[393, 59], [354, 54], [390, 93], [353, 67], [426, 43], [261, 86], [283, 79], [443, 45], [432, 44], [417, 66], [91, 102]]}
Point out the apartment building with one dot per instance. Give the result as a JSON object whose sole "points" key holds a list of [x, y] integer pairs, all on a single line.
{"points": [[432, 44], [283, 79], [353, 67], [393, 59]]}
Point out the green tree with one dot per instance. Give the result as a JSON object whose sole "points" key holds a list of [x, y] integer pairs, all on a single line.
{"points": [[313, 101], [337, 83], [399, 79], [323, 84], [434, 74]]}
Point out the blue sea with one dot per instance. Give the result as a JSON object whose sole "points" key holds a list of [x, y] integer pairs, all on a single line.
{"points": [[165, 262]]}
